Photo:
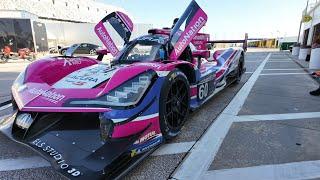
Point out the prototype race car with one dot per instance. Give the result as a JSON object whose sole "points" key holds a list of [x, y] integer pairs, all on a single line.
{"points": [[93, 120]]}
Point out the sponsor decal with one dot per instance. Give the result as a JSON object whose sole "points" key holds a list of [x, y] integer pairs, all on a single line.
{"points": [[149, 145], [87, 77], [157, 66], [58, 157], [201, 37], [51, 96], [79, 83], [84, 78], [71, 62], [206, 87], [107, 40], [189, 34], [146, 137]]}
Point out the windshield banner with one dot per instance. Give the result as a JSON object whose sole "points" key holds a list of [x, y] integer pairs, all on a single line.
{"points": [[194, 19], [114, 30]]}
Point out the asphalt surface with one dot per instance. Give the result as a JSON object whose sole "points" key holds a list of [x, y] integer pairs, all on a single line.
{"points": [[246, 144]]}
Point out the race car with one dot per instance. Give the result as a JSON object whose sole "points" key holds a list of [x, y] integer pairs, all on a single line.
{"points": [[96, 120]]}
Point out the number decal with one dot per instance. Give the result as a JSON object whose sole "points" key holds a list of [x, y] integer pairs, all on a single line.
{"points": [[74, 172], [203, 91]]}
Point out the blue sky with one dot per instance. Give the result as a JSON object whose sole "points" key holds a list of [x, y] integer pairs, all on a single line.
{"points": [[227, 18]]}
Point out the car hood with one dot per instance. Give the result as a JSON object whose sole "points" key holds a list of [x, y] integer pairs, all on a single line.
{"points": [[48, 93]]}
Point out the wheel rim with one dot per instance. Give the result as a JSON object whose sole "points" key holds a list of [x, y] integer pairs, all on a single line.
{"points": [[176, 105], [92, 52]]}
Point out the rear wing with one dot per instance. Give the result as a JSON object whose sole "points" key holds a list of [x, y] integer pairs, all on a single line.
{"points": [[244, 42]]}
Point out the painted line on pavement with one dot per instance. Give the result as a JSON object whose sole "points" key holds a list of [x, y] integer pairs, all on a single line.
{"points": [[283, 69], [173, 148], [248, 72], [295, 170], [276, 60], [198, 161], [23, 163], [237, 102], [276, 117], [252, 61], [279, 74]]}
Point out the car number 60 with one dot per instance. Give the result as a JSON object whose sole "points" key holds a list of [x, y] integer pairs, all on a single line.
{"points": [[203, 91]]}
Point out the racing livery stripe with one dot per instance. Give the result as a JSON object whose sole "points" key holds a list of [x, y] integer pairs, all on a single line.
{"points": [[224, 69], [65, 109], [140, 118]]}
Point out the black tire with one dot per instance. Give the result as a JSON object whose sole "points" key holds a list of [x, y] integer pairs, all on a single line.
{"points": [[4, 59], [174, 104], [63, 52], [93, 52], [239, 70]]}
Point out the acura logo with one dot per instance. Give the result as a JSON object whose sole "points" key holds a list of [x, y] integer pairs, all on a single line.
{"points": [[24, 120]]}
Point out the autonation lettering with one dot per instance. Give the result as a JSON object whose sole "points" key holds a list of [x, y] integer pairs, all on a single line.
{"points": [[49, 95], [107, 39], [193, 30]]}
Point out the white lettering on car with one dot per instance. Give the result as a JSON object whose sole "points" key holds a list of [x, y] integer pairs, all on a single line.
{"points": [[70, 62], [186, 38], [109, 43], [146, 137], [57, 157], [51, 96]]}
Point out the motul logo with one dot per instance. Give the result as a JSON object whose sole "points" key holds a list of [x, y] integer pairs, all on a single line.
{"points": [[189, 34]]}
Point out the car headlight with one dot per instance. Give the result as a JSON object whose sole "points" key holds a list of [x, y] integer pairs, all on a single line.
{"points": [[18, 84], [127, 94]]}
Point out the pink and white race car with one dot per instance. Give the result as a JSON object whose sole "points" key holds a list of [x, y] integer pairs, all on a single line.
{"points": [[93, 120]]}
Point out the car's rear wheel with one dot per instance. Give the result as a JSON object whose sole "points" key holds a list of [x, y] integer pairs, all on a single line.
{"points": [[239, 70], [174, 104], [93, 52], [63, 52]]}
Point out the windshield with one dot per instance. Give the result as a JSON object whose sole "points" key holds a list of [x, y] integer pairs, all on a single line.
{"points": [[143, 51]]}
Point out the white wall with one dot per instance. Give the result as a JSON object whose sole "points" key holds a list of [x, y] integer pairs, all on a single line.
{"points": [[62, 9], [315, 20], [71, 33]]}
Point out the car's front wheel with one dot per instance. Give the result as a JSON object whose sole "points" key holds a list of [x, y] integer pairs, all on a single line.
{"points": [[174, 104]]}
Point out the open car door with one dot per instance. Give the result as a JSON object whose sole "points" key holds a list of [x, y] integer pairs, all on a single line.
{"points": [[193, 19], [114, 29]]}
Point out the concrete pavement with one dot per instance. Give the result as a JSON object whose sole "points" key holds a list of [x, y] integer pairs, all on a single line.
{"points": [[269, 131]]}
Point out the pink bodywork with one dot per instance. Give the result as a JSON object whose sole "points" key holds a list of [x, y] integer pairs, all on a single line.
{"points": [[194, 26], [39, 94]]}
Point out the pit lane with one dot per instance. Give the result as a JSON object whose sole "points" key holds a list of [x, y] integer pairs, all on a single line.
{"points": [[17, 162]]}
